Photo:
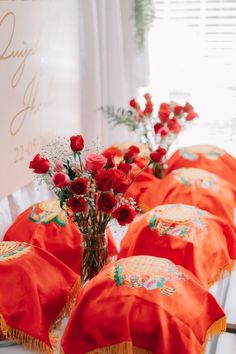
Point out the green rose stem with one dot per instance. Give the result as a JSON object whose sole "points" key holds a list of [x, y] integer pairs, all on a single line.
{"points": [[139, 173]]}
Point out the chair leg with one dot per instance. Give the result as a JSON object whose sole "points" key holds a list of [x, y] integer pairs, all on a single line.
{"points": [[231, 328]]}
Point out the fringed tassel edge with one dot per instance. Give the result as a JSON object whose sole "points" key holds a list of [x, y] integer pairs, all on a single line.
{"points": [[32, 343], [25, 339], [223, 273], [121, 348], [70, 303], [216, 328]]}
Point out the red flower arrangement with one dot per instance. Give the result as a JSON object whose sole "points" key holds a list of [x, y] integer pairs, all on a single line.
{"points": [[92, 189], [160, 128]]}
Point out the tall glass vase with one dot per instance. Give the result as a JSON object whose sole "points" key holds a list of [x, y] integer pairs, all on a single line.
{"points": [[94, 255]]}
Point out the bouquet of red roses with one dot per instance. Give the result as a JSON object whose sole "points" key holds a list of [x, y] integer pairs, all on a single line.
{"points": [[92, 191], [160, 128]]}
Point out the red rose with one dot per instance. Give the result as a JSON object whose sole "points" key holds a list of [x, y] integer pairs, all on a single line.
{"points": [[124, 214], [133, 103], [120, 182], [147, 97], [106, 202], [40, 164], [174, 126], [163, 132], [95, 162], [148, 108], [188, 107], [77, 204], [60, 180], [164, 114], [164, 107], [124, 167], [178, 110], [157, 127], [158, 154], [79, 186], [131, 153], [76, 143], [110, 159], [104, 180], [191, 115]]}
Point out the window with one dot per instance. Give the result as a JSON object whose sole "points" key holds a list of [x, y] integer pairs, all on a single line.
{"points": [[193, 57]]}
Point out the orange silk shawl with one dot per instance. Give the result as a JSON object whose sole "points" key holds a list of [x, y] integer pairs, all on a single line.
{"points": [[143, 305], [192, 186], [207, 157], [193, 238], [36, 292], [46, 225]]}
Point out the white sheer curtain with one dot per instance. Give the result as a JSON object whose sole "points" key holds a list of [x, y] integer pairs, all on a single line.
{"points": [[111, 67], [111, 70]]}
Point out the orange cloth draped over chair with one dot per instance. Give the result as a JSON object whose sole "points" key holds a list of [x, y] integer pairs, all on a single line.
{"points": [[192, 186], [195, 239], [36, 292], [207, 157], [143, 305], [46, 225]]}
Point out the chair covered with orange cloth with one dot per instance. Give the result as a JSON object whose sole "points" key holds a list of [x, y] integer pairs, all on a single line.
{"points": [[36, 292], [46, 225], [193, 238], [143, 305], [193, 186], [207, 157]]}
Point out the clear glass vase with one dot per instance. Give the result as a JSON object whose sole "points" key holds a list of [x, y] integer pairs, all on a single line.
{"points": [[94, 255]]}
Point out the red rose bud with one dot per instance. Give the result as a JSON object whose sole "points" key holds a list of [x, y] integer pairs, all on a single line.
{"points": [[147, 97], [124, 167], [77, 204], [39, 164], [60, 180], [124, 214], [106, 202], [133, 103], [110, 159], [79, 186], [178, 110], [188, 107], [148, 107], [164, 107], [164, 114], [163, 132], [174, 126], [191, 115], [131, 153], [76, 143], [157, 127], [156, 156]]}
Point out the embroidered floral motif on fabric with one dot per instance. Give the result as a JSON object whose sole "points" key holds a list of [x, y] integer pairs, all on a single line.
{"points": [[209, 151], [177, 220], [196, 178], [47, 212], [12, 249], [150, 273]]}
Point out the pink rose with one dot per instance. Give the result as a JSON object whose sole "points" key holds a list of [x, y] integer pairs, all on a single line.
{"points": [[94, 162], [60, 180]]}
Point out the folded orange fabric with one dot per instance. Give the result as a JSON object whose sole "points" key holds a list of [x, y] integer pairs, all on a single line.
{"points": [[192, 186], [207, 157], [46, 225], [143, 305], [195, 239], [36, 292]]}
